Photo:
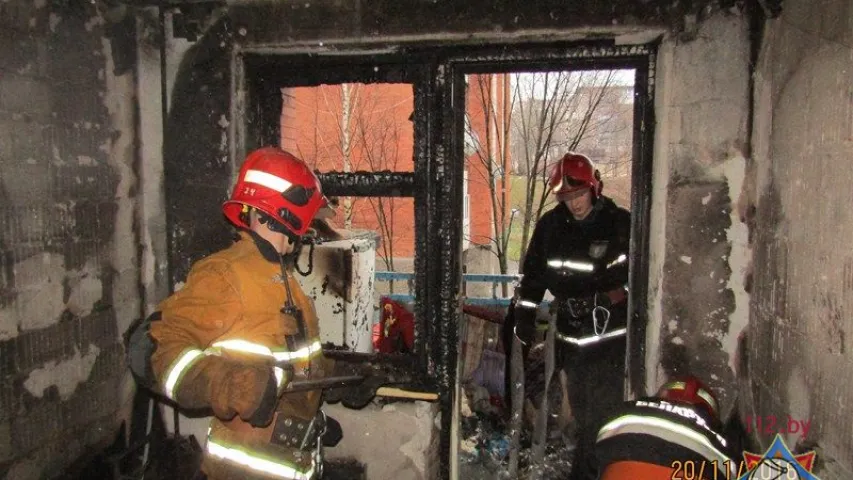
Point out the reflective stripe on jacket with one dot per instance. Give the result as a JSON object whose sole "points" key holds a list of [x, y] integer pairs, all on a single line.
{"points": [[226, 318], [658, 432]]}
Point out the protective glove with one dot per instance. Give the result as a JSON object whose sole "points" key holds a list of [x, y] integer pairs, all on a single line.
{"points": [[262, 414], [334, 395], [359, 396], [373, 375], [519, 319]]}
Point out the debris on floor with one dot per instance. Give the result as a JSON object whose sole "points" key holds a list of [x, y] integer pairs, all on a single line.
{"points": [[485, 441]]}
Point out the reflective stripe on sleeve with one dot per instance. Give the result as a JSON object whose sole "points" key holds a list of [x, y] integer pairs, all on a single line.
{"points": [[279, 355], [278, 468], [620, 259], [527, 304], [592, 339], [244, 346], [178, 368], [303, 353], [579, 266], [575, 265]]}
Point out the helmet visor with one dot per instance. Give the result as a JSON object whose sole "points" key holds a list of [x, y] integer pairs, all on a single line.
{"points": [[298, 195], [568, 184]]}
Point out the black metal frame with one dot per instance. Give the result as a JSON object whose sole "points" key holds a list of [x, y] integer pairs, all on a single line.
{"points": [[597, 56], [437, 75], [641, 180]]}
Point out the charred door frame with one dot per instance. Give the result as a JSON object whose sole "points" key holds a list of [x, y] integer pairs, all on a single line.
{"points": [[589, 56]]}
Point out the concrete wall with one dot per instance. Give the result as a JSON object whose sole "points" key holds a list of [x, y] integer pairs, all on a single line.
{"points": [[697, 301], [797, 204], [68, 245]]}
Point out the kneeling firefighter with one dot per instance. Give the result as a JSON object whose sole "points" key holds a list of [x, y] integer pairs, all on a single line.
{"points": [[579, 252], [651, 437], [241, 331]]}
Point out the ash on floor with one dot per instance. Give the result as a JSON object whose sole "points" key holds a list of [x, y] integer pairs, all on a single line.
{"points": [[485, 443]]}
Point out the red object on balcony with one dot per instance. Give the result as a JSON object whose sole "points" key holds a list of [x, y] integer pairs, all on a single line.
{"points": [[395, 331]]}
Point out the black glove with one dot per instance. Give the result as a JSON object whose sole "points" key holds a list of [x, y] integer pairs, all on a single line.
{"points": [[374, 374], [359, 396], [333, 434], [263, 415]]}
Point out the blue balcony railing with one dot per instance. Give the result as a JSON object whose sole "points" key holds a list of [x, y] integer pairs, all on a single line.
{"points": [[495, 280]]}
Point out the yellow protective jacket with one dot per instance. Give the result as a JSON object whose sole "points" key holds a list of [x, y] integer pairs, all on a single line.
{"points": [[217, 341]]}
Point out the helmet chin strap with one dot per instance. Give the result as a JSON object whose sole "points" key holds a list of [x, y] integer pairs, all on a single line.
{"points": [[292, 257]]}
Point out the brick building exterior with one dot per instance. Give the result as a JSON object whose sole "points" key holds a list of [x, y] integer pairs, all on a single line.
{"points": [[380, 137]]}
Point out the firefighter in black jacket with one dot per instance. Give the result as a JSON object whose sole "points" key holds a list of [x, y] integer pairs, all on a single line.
{"points": [[661, 437], [579, 252]]}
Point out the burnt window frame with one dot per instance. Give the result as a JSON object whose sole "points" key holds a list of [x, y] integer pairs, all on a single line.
{"points": [[259, 76]]}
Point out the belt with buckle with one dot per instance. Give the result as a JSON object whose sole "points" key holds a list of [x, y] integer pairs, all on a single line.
{"points": [[297, 433], [575, 307]]}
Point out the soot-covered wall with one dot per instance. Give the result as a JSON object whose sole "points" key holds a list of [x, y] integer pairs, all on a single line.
{"points": [[797, 353], [68, 248], [698, 303]]}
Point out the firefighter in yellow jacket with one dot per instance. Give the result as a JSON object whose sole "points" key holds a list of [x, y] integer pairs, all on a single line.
{"points": [[241, 329]]}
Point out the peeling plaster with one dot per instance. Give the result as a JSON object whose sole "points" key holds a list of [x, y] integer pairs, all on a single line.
{"points": [[737, 235], [40, 304], [86, 289], [119, 102], [65, 375]]}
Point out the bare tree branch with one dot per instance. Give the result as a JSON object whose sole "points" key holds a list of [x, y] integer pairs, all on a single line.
{"points": [[555, 113]]}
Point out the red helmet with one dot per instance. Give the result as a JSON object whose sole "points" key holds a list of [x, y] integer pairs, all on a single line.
{"points": [[575, 172], [279, 185], [690, 390]]}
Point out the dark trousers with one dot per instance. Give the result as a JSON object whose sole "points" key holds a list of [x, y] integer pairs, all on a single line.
{"points": [[596, 390]]}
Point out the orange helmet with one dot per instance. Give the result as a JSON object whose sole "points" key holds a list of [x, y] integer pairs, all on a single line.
{"points": [[575, 172], [279, 185], [691, 390]]}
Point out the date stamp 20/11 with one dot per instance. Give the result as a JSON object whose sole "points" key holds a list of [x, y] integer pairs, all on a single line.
{"points": [[777, 463], [713, 470]]}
